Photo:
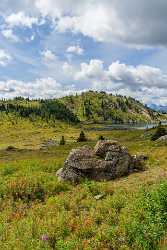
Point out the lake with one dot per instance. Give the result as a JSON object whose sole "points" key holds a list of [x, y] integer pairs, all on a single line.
{"points": [[126, 126]]}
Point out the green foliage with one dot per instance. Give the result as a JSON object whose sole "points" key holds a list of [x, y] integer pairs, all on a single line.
{"points": [[82, 137], [89, 106], [100, 106], [146, 221], [47, 110], [160, 131]]}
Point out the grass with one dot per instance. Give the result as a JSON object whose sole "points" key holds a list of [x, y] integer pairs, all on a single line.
{"points": [[38, 212]]}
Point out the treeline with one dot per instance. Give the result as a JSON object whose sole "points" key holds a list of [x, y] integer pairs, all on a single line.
{"points": [[47, 110]]}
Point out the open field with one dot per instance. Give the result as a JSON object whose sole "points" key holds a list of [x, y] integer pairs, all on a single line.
{"points": [[38, 212]]}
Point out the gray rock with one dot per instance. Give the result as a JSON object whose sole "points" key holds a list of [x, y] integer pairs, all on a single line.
{"points": [[162, 139], [102, 147], [107, 161], [138, 162], [47, 144]]}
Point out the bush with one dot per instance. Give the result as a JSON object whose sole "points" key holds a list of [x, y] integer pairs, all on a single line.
{"points": [[26, 190], [160, 131], [82, 137], [101, 138], [62, 141]]}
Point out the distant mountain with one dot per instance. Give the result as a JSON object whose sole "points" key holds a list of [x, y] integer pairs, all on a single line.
{"points": [[101, 106], [159, 108]]}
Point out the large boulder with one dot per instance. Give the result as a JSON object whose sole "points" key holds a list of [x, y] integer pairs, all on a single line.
{"points": [[107, 161]]}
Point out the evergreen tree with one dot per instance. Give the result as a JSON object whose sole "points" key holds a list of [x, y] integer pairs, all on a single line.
{"points": [[62, 141], [101, 138], [82, 137]]}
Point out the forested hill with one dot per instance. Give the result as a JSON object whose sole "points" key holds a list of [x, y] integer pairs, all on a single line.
{"points": [[100, 106], [88, 106]]}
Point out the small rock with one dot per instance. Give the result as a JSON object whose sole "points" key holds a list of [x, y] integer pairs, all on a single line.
{"points": [[162, 139], [99, 197]]}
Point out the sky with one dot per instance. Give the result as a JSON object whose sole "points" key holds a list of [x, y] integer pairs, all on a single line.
{"points": [[52, 48]]}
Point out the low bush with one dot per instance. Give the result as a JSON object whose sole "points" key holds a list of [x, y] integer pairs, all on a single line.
{"points": [[160, 131]]}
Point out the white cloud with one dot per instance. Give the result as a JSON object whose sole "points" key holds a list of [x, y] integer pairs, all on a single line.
{"points": [[132, 22], [20, 19], [76, 49], [121, 75], [92, 70], [40, 88], [68, 69], [139, 23], [48, 55], [5, 58], [8, 33], [142, 82]]}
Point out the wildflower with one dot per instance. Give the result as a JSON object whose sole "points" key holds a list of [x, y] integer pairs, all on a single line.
{"points": [[45, 237]]}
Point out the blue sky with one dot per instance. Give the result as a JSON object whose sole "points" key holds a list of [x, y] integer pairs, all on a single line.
{"points": [[50, 48]]}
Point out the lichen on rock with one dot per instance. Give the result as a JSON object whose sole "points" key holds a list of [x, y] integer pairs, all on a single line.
{"points": [[107, 161]]}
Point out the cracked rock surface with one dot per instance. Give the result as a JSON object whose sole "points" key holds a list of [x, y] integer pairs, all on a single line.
{"points": [[107, 161]]}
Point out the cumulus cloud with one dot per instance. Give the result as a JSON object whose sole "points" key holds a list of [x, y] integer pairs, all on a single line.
{"points": [[8, 34], [139, 23], [120, 74], [48, 55], [40, 88], [5, 58], [20, 19], [93, 70], [131, 21], [142, 82], [76, 49]]}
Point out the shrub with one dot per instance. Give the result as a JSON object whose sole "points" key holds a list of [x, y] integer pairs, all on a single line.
{"points": [[26, 190], [160, 131], [82, 137], [101, 138], [62, 141]]}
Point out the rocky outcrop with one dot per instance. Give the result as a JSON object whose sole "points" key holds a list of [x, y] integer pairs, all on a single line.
{"points": [[162, 139], [107, 161]]}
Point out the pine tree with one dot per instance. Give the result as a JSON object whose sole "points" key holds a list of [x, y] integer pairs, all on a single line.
{"points": [[82, 137], [101, 138], [62, 141]]}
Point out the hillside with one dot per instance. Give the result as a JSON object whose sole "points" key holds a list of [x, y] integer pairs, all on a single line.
{"points": [[100, 106], [88, 106]]}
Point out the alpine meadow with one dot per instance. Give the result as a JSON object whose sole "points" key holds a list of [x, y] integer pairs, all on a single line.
{"points": [[83, 121]]}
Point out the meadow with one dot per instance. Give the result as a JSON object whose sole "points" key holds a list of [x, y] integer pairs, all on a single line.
{"points": [[39, 212]]}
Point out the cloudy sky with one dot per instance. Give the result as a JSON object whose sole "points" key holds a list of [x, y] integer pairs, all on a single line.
{"points": [[51, 48]]}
